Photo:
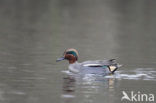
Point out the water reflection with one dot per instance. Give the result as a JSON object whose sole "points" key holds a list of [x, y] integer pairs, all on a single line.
{"points": [[86, 87], [68, 89], [136, 74], [32, 34]]}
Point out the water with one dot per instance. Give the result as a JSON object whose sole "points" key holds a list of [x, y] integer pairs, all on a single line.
{"points": [[34, 34]]}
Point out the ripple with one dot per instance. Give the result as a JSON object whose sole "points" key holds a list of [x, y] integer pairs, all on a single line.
{"points": [[67, 96], [66, 72], [137, 74]]}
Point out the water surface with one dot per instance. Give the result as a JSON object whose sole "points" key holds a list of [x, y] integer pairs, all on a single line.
{"points": [[34, 34]]}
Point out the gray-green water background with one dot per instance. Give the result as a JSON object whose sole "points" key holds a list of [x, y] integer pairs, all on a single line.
{"points": [[34, 33]]}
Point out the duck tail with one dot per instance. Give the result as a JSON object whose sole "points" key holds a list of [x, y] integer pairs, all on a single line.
{"points": [[112, 60], [118, 65], [113, 68]]}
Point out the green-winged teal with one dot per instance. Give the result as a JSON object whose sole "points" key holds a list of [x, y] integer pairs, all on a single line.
{"points": [[88, 67]]}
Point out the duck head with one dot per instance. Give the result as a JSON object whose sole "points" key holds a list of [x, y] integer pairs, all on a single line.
{"points": [[70, 54]]}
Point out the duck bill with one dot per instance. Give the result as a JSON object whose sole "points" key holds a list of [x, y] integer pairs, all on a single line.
{"points": [[60, 59]]}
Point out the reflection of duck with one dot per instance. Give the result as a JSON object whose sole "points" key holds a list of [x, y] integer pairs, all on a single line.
{"points": [[88, 67], [68, 94], [69, 84], [76, 86], [111, 83]]}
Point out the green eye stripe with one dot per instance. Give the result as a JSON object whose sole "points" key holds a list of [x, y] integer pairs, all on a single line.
{"points": [[72, 52]]}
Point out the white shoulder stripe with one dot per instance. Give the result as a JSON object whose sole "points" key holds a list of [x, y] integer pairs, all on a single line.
{"points": [[87, 65]]}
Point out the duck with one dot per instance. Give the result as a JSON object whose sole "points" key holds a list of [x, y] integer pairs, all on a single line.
{"points": [[99, 67]]}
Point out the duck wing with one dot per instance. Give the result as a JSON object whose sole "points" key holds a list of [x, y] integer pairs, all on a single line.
{"points": [[99, 63], [111, 64]]}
